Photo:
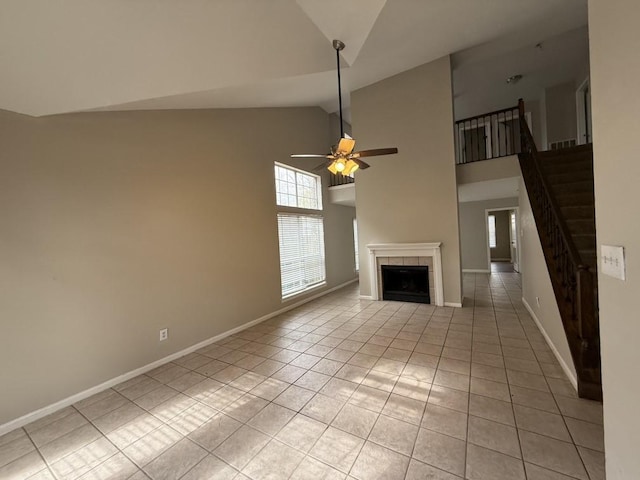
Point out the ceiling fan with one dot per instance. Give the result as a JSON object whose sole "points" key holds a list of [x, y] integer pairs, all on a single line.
{"points": [[342, 159]]}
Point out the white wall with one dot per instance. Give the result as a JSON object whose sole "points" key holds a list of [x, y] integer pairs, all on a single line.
{"points": [[479, 77], [615, 70], [503, 167], [473, 231], [115, 225], [411, 196], [537, 290], [561, 114]]}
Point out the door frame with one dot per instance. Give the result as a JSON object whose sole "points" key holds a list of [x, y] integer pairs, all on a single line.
{"points": [[486, 236], [461, 140], [581, 112]]}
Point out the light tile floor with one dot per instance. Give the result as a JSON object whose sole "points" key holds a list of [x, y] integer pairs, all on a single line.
{"points": [[338, 388]]}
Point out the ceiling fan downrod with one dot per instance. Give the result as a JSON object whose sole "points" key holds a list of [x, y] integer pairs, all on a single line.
{"points": [[338, 46]]}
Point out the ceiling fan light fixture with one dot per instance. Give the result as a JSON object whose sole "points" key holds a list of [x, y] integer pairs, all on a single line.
{"points": [[350, 168], [343, 166]]}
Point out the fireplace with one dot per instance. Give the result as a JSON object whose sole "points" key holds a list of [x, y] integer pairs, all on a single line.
{"points": [[407, 253], [405, 283]]}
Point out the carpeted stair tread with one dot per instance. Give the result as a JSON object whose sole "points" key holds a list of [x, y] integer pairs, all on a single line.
{"points": [[581, 225]]}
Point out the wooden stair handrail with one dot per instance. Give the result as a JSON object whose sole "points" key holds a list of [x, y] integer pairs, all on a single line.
{"points": [[573, 282], [529, 146]]}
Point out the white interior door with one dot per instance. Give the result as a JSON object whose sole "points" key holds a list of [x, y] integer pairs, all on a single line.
{"points": [[513, 234]]}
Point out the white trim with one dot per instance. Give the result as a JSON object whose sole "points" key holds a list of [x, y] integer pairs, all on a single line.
{"points": [[475, 270], [453, 304], [407, 250], [568, 372], [44, 411], [580, 114], [515, 261], [366, 297], [307, 290], [343, 186]]}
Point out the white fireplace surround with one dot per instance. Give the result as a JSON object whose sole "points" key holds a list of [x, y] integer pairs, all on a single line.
{"points": [[406, 250]]}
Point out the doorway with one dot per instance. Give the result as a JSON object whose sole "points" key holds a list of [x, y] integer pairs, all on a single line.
{"points": [[502, 226]]}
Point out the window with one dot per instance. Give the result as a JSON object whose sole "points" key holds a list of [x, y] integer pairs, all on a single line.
{"points": [[492, 231], [295, 188], [301, 252], [300, 230], [355, 243]]}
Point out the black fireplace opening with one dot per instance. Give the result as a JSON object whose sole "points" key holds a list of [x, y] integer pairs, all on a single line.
{"points": [[404, 283]]}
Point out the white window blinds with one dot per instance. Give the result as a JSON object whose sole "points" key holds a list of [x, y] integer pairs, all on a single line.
{"points": [[301, 252]]}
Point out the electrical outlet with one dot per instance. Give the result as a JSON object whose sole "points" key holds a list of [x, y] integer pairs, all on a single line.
{"points": [[538, 301], [164, 334]]}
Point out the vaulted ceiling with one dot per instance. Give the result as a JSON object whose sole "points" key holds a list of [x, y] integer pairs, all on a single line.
{"points": [[78, 55]]}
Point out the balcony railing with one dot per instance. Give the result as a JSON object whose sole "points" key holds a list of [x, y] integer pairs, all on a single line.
{"points": [[492, 135], [339, 179]]}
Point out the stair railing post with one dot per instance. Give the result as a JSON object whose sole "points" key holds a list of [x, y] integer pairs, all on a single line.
{"points": [[588, 325]]}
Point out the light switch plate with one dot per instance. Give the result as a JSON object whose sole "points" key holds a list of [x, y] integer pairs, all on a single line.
{"points": [[612, 261]]}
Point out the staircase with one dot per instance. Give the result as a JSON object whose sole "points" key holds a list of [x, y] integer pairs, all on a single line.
{"points": [[569, 173], [560, 188]]}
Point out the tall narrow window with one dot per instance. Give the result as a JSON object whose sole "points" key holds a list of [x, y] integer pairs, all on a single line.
{"points": [[301, 252], [300, 230], [355, 243], [492, 231]]}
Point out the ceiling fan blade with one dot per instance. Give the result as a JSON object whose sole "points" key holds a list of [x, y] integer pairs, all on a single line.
{"points": [[361, 164], [311, 155], [375, 152], [346, 145], [322, 166]]}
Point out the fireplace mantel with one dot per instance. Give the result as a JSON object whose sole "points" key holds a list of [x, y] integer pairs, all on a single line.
{"points": [[406, 250]]}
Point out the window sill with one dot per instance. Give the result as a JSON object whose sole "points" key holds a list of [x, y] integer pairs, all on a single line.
{"points": [[309, 289]]}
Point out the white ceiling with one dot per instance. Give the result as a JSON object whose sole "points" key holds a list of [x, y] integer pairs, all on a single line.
{"points": [[480, 73], [77, 55]]}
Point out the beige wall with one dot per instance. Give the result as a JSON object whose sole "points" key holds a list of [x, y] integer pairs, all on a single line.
{"points": [[502, 250], [115, 225], [615, 70], [503, 167], [561, 115], [409, 197], [473, 231], [538, 125], [537, 290]]}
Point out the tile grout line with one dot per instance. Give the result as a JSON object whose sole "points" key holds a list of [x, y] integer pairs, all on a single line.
{"points": [[513, 409]]}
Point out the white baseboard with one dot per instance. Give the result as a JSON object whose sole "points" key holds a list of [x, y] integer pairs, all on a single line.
{"points": [[563, 364], [366, 297], [44, 411], [474, 270]]}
